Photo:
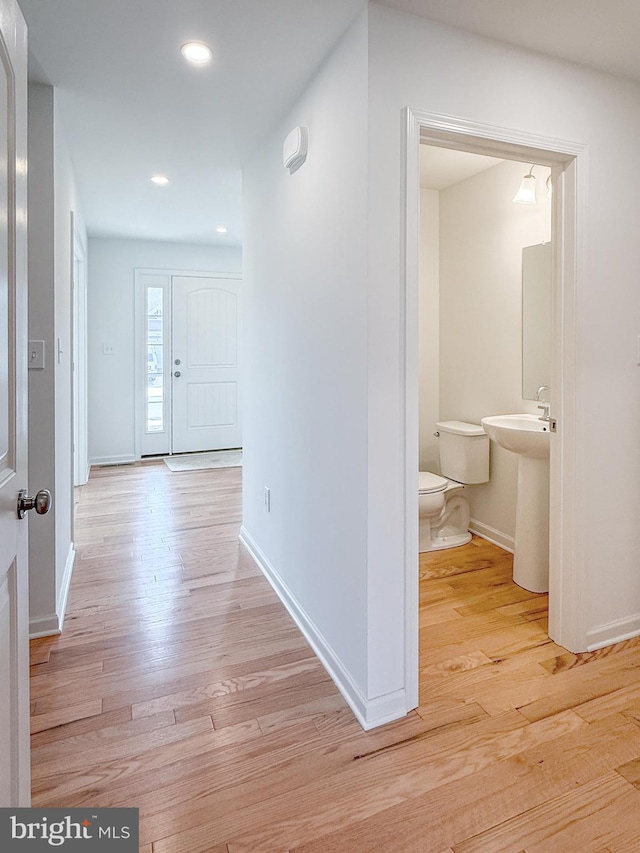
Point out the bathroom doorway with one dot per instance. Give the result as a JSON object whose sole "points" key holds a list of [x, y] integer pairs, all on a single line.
{"points": [[509, 150], [485, 318]]}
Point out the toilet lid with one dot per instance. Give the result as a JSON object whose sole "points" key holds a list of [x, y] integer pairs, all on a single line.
{"points": [[428, 482]]}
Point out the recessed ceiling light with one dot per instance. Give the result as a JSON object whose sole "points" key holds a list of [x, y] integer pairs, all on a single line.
{"points": [[222, 229], [196, 52], [160, 180]]}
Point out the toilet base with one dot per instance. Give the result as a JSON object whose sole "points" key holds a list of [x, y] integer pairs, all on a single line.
{"points": [[438, 543], [448, 527]]}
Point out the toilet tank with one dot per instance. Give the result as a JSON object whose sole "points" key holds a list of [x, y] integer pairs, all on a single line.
{"points": [[464, 452]]}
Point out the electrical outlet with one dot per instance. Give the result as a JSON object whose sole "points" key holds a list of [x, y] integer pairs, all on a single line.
{"points": [[267, 499]]}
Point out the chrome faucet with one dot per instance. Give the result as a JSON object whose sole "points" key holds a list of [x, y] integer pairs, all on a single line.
{"points": [[540, 390], [544, 406]]}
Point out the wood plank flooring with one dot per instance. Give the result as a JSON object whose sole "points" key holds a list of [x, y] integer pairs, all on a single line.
{"points": [[181, 686]]}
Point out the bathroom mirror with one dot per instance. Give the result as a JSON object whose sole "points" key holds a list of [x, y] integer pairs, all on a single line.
{"points": [[536, 319]]}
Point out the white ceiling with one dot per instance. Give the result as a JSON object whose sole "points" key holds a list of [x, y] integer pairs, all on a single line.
{"points": [[443, 167], [131, 106]]}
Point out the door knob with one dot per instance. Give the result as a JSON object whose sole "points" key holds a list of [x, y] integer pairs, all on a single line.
{"points": [[177, 373], [41, 503]]}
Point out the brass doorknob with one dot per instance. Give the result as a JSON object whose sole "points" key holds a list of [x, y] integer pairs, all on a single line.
{"points": [[41, 503]]}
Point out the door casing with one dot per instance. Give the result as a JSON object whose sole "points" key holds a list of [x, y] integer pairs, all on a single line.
{"points": [[568, 162]]}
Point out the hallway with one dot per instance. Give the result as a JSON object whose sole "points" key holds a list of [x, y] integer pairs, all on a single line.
{"points": [[182, 687]]}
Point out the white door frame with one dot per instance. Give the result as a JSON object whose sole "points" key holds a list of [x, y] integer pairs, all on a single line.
{"points": [[568, 162], [140, 373], [79, 330]]}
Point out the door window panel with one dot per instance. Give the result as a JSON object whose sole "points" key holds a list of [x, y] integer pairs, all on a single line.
{"points": [[155, 360]]}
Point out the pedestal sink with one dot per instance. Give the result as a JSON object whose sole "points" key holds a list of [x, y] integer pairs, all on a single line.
{"points": [[529, 438]]}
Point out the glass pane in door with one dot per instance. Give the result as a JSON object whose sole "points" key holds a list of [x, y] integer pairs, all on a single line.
{"points": [[155, 360]]}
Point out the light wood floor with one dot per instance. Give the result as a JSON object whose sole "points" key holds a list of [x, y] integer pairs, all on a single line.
{"points": [[181, 686]]}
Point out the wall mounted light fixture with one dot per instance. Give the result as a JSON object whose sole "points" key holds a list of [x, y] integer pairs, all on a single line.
{"points": [[527, 190]]}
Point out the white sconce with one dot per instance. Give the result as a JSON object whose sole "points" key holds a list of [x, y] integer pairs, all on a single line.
{"points": [[527, 190], [294, 150]]}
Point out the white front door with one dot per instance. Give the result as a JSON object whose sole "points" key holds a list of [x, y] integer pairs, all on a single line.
{"points": [[14, 591], [205, 353]]}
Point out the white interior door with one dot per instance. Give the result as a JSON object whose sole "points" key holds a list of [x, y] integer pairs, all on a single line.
{"points": [[14, 614], [205, 367]]}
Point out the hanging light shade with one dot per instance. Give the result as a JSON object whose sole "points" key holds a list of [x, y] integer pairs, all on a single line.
{"points": [[527, 190]]}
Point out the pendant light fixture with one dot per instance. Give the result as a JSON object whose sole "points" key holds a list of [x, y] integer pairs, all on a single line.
{"points": [[527, 190]]}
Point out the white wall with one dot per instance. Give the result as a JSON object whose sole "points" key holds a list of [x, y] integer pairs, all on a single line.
{"points": [[42, 327], [52, 199], [325, 399], [111, 321], [429, 308], [306, 390], [482, 234], [433, 68]]}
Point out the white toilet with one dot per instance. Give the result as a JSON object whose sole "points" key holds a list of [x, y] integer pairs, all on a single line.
{"points": [[443, 507]]}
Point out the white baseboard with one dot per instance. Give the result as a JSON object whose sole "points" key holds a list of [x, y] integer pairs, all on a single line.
{"points": [[370, 713], [49, 626], [127, 459], [613, 632], [44, 626], [502, 540]]}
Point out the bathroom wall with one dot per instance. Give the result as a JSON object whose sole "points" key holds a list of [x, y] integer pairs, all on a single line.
{"points": [[429, 328], [482, 234]]}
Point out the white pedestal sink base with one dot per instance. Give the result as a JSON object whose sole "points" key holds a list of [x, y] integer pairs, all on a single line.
{"points": [[529, 437], [531, 552]]}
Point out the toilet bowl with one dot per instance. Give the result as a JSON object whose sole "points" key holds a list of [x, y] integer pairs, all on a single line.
{"points": [[443, 508], [443, 513]]}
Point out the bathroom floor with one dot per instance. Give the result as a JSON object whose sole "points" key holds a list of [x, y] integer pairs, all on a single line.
{"points": [[474, 618]]}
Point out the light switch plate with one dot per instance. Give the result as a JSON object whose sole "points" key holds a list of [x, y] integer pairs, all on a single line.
{"points": [[36, 355]]}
